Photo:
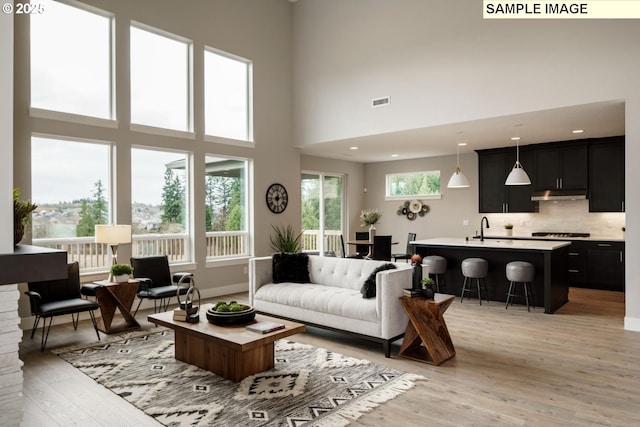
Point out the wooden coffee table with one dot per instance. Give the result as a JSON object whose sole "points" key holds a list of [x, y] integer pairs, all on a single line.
{"points": [[232, 352]]}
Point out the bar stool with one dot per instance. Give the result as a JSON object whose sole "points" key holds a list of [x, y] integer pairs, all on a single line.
{"points": [[436, 266], [520, 272], [474, 268]]}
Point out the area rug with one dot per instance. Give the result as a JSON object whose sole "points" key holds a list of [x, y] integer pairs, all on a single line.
{"points": [[309, 386]]}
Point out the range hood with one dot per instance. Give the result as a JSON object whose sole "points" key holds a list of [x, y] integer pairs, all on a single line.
{"points": [[559, 195]]}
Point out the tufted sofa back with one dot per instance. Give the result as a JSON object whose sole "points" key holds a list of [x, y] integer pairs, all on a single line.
{"points": [[347, 273]]}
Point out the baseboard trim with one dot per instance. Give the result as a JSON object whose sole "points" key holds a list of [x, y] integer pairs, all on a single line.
{"points": [[632, 324]]}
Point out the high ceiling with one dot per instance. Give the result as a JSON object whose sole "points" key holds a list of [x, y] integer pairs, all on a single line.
{"points": [[596, 119]]}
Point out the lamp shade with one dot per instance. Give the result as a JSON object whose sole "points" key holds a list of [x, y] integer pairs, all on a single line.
{"points": [[517, 176], [458, 180], [113, 234]]}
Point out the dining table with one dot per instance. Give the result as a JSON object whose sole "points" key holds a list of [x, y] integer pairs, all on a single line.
{"points": [[366, 242]]}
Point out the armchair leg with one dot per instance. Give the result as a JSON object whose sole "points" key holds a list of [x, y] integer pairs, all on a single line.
{"points": [[135, 312], [75, 319], [35, 326], [43, 342], [95, 325]]}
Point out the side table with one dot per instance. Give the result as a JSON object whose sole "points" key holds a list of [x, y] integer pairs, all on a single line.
{"points": [[427, 338], [116, 295]]}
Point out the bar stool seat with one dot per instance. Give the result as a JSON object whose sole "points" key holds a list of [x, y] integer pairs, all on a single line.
{"points": [[437, 266], [520, 272], [474, 268]]}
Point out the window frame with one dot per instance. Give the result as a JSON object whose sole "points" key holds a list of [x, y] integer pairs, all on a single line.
{"points": [[389, 196], [249, 141], [188, 132], [76, 117]]}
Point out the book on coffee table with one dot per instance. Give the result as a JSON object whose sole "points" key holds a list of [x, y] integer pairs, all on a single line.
{"points": [[264, 327]]}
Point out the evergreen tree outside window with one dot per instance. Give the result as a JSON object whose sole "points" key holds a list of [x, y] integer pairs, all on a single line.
{"points": [[413, 184]]}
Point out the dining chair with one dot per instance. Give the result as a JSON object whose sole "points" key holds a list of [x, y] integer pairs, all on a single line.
{"points": [[408, 252], [381, 248], [362, 250]]}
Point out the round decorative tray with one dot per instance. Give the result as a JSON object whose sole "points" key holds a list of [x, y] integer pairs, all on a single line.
{"points": [[231, 317]]}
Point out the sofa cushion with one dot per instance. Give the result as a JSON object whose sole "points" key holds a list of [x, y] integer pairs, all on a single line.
{"points": [[291, 268], [368, 289], [341, 272], [320, 299]]}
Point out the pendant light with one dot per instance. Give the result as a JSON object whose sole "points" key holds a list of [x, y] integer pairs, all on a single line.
{"points": [[517, 176], [458, 180]]}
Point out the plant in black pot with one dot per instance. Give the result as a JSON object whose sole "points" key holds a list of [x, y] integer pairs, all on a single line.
{"points": [[428, 287]]}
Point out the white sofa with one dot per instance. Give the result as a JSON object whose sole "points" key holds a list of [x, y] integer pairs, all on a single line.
{"points": [[333, 300]]}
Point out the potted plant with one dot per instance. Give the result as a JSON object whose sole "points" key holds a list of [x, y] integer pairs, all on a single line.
{"points": [[120, 273], [428, 287], [285, 239], [509, 228], [21, 216], [369, 218]]}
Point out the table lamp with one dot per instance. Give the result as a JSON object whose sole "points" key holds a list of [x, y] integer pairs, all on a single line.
{"points": [[113, 235]]}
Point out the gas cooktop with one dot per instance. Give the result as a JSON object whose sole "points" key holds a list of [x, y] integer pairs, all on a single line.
{"points": [[558, 234]]}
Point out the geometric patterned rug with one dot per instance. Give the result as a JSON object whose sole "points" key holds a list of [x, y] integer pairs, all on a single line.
{"points": [[309, 386]]}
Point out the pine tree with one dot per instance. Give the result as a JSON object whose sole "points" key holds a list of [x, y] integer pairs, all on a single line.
{"points": [[172, 198]]}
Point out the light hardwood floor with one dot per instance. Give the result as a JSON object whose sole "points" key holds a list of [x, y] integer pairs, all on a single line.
{"points": [[577, 367]]}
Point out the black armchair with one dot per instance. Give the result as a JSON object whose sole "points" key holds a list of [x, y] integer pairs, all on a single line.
{"points": [[56, 298], [156, 282]]}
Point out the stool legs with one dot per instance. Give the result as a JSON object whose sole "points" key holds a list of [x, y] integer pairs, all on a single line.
{"points": [[527, 292], [437, 280], [480, 286]]}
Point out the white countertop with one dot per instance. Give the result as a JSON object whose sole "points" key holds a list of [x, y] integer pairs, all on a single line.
{"points": [[614, 237], [538, 245]]}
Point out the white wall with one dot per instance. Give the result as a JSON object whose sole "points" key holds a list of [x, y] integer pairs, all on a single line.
{"points": [[441, 63]]}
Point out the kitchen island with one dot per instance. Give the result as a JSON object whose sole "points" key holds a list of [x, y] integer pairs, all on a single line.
{"points": [[550, 259]]}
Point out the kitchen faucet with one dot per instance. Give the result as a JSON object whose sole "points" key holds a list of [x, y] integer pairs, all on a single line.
{"points": [[484, 218]]}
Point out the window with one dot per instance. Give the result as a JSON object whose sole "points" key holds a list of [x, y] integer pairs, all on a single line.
{"points": [[71, 73], [226, 207], [322, 212], [226, 96], [160, 214], [413, 184], [71, 200], [160, 80]]}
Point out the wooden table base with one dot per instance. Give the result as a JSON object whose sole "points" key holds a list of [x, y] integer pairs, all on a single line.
{"points": [[427, 338], [112, 296]]}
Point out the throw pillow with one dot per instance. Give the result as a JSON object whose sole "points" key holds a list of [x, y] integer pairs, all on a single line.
{"points": [[290, 268], [368, 289]]}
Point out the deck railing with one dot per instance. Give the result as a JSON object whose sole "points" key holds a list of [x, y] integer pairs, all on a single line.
{"points": [[332, 241], [97, 256]]}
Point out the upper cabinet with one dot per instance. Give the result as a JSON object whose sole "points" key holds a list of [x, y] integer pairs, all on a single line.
{"points": [[592, 165], [562, 167], [494, 196], [606, 175]]}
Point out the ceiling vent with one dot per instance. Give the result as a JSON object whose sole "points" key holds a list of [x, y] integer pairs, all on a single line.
{"points": [[379, 102]]}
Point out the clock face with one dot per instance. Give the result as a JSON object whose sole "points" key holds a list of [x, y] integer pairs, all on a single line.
{"points": [[277, 198]]}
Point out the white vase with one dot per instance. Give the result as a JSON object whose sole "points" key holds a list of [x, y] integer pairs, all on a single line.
{"points": [[372, 233], [509, 231], [121, 278]]}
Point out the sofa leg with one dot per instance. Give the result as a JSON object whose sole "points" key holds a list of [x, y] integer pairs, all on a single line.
{"points": [[386, 345]]}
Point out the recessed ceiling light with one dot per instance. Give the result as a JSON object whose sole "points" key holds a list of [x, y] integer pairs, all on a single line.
{"points": [[462, 144], [515, 138], [577, 131], [353, 148], [394, 155]]}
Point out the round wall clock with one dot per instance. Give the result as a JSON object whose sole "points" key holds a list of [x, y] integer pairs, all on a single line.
{"points": [[277, 198]]}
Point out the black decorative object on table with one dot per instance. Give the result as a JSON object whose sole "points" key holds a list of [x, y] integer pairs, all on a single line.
{"points": [[217, 316], [416, 262]]}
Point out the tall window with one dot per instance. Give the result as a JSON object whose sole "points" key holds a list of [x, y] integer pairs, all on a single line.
{"points": [[160, 214], [322, 212], [413, 184], [71, 55], [227, 92], [160, 80], [226, 207]]}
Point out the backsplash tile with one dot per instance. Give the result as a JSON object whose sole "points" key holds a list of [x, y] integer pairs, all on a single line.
{"points": [[561, 216]]}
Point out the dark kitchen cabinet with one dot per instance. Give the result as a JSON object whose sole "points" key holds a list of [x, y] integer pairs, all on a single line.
{"points": [[562, 167], [597, 265], [494, 196], [606, 175]]}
